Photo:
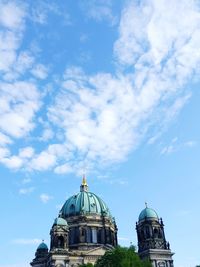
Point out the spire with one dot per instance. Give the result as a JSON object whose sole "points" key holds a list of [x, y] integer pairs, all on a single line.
{"points": [[84, 182], [146, 204], [84, 186]]}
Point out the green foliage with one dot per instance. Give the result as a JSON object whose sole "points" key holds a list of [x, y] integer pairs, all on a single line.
{"points": [[121, 257]]}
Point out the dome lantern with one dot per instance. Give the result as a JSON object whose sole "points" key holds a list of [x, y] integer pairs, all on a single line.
{"points": [[84, 186]]}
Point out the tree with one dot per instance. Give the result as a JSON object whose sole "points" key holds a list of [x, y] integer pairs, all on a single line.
{"points": [[121, 257]]}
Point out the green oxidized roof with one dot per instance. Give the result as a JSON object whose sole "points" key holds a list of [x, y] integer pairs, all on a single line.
{"points": [[60, 221], [42, 246], [84, 203], [148, 213]]}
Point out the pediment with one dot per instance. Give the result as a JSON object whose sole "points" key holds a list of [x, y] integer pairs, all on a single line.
{"points": [[98, 251]]}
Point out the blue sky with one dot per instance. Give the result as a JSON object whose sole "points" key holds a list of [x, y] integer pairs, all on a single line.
{"points": [[107, 88]]}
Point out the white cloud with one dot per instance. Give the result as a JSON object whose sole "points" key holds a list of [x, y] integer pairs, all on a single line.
{"points": [[65, 168], [40, 71], [47, 134], [13, 60], [40, 12], [103, 117], [150, 30], [190, 143], [176, 146], [43, 161], [4, 152], [12, 18], [12, 162], [4, 139], [26, 191], [45, 198], [95, 121], [168, 149], [19, 103], [26, 152], [12, 15], [99, 10]]}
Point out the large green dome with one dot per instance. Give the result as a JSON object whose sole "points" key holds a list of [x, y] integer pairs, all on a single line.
{"points": [[148, 213], [84, 202]]}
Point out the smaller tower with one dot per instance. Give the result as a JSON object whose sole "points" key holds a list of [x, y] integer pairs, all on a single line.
{"points": [[40, 256], [58, 253], [59, 235], [152, 244]]}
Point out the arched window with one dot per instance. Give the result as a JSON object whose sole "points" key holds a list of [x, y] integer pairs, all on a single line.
{"points": [[147, 231], [60, 242], [77, 237], [99, 234], [155, 232]]}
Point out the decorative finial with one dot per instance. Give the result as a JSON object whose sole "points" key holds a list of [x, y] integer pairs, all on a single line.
{"points": [[146, 204], [42, 240], [84, 181]]}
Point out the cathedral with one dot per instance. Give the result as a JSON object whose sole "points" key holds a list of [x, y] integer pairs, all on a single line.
{"points": [[85, 229]]}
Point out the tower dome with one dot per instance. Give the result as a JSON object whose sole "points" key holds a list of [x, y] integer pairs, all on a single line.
{"points": [[148, 213], [84, 203], [42, 246], [60, 221]]}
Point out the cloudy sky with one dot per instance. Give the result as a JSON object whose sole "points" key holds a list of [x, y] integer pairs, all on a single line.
{"points": [[107, 88]]}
